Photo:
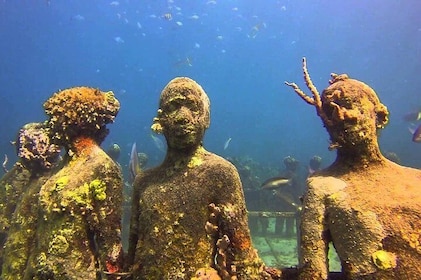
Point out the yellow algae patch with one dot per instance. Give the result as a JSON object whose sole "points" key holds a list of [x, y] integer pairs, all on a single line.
{"points": [[98, 188], [195, 161], [384, 260], [61, 183]]}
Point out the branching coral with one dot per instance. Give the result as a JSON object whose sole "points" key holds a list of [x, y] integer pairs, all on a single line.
{"points": [[315, 100], [81, 109]]}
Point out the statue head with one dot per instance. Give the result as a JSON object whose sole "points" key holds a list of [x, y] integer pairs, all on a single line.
{"points": [[80, 112], [183, 114], [352, 112], [35, 148]]}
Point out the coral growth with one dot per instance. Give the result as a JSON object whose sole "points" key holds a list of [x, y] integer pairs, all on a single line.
{"points": [[366, 205], [34, 147], [81, 109], [206, 274], [172, 234]]}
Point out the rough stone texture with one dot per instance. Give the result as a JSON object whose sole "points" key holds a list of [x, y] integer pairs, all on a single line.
{"points": [[23, 224], [193, 188], [78, 232], [79, 109], [37, 161], [368, 206], [69, 226]]}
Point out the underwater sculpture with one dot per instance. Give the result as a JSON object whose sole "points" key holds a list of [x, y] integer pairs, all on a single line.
{"points": [[189, 216], [368, 206], [37, 161], [78, 227]]}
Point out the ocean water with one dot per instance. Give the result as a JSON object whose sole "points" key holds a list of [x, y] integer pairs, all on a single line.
{"points": [[241, 52]]}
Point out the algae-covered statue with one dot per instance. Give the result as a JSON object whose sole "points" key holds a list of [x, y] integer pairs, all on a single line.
{"points": [[189, 217], [368, 206], [38, 159], [78, 228]]}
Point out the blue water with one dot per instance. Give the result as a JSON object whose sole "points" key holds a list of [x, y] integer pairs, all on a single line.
{"points": [[241, 52]]}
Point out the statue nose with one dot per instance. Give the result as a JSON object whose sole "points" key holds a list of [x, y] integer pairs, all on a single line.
{"points": [[184, 116]]}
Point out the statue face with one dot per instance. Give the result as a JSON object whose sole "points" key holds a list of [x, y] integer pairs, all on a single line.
{"points": [[184, 113], [354, 111]]}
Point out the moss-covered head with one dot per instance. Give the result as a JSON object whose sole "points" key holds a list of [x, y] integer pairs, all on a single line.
{"points": [[184, 113], [35, 148], [80, 112], [353, 112]]}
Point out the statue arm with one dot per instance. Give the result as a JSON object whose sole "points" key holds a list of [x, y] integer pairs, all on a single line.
{"points": [[105, 221], [134, 227], [315, 238]]}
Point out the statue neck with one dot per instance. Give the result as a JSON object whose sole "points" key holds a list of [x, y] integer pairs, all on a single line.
{"points": [[359, 156], [180, 158], [82, 145]]}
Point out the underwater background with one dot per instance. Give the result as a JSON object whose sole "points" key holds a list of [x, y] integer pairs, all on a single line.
{"points": [[241, 52]]}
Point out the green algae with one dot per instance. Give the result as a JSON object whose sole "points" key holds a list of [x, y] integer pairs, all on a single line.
{"points": [[98, 189], [61, 183]]}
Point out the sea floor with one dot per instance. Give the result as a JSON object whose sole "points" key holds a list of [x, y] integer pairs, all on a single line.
{"points": [[280, 251]]}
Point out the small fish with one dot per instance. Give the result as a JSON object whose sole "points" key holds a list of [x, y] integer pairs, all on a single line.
{"points": [[412, 117], [4, 165], [78, 17], [179, 23], [288, 199], [416, 134], [275, 182], [158, 143], [184, 62], [227, 143], [195, 17], [134, 167], [167, 16], [118, 40], [114, 3]]}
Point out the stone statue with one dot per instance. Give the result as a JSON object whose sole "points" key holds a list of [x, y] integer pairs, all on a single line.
{"points": [[188, 215], [79, 207], [366, 205], [19, 189]]}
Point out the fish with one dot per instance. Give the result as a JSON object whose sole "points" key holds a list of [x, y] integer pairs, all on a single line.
{"points": [[288, 199], [416, 134], [167, 16], [184, 62], [4, 165], [412, 117], [134, 166], [118, 40], [78, 17], [158, 143], [275, 182], [227, 143]]}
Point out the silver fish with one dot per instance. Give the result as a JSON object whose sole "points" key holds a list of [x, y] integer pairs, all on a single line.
{"points": [[4, 165], [412, 117], [276, 182], [134, 167], [416, 135], [158, 143], [227, 143]]}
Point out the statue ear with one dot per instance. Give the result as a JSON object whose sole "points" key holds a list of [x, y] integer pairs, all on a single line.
{"points": [[156, 126], [382, 116]]}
